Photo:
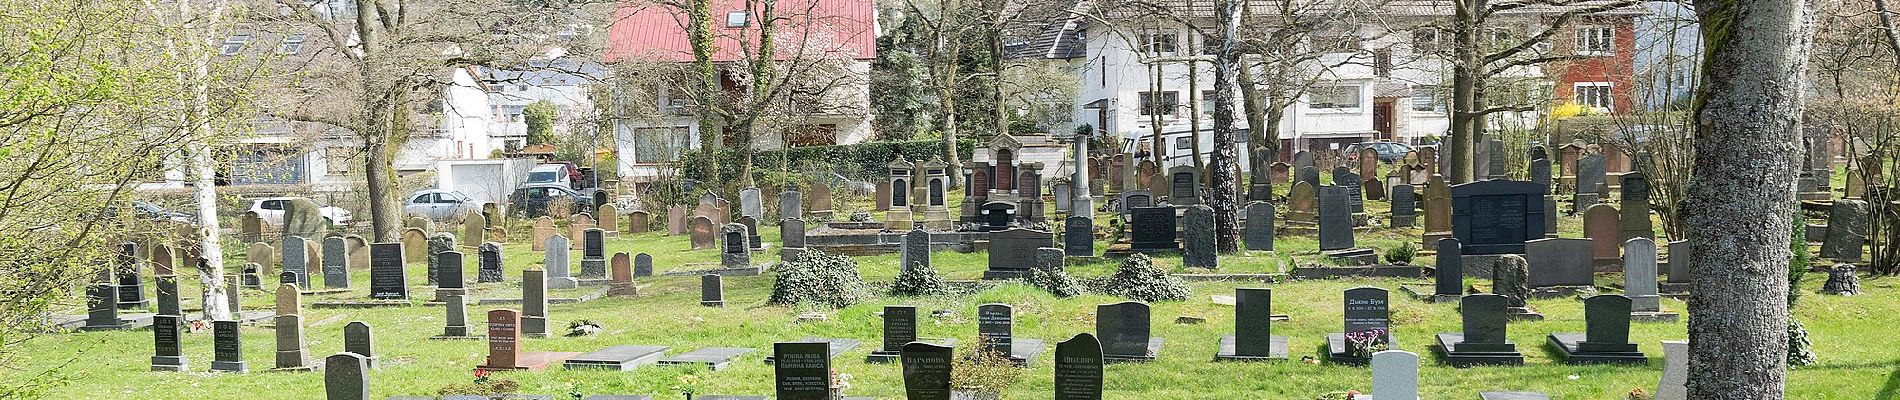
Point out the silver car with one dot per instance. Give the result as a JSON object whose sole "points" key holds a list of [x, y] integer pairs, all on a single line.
{"points": [[440, 205]]}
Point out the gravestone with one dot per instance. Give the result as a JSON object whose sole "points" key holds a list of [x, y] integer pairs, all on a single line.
{"points": [[290, 350], [449, 277], [676, 220], [802, 371], [304, 218], [261, 253], [165, 280], [790, 205], [1395, 373], [415, 246], [821, 199], [1606, 334], [712, 291], [555, 260], [166, 354], [1494, 154], [1302, 204], [1590, 179], [1078, 369], [752, 239], [1635, 221], [1847, 223], [639, 221], [1335, 218], [1483, 340], [791, 233], [1679, 261], [1253, 328], [1599, 225], [1559, 262], [900, 327], [1540, 173], [251, 228], [1367, 314], [438, 244], [1078, 236], [294, 254], [227, 347], [995, 324], [102, 304], [609, 216], [926, 371], [751, 203], [1449, 277], [358, 340], [1510, 277], [1125, 329], [1404, 206], [1012, 251], [534, 303], [1184, 185], [1675, 377], [1151, 229], [702, 231], [1199, 244], [1259, 231], [455, 323], [642, 265], [617, 358], [1308, 174], [1639, 276], [1345, 179], [504, 337], [737, 252], [346, 377], [336, 263], [1438, 207], [1497, 216], [593, 254], [388, 280], [539, 234], [620, 282], [488, 268], [474, 230]]}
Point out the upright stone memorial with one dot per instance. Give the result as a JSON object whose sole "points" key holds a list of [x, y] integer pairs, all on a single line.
{"points": [[593, 254], [1405, 206], [474, 231], [1438, 211], [488, 266], [1344, 178], [1335, 219], [1199, 244], [1590, 179], [702, 232], [165, 280], [642, 265], [1013, 250], [166, 354], [1606, 334], [926, 371], [1600, 226], [336, 263], [1497, 216], [346, 377], [1559, 266], [1635, 221], [1259, 230], [1368, 325], [1483, 341], [1395, 373], [290, 343], [455, 321], [621, 281], [790, 205], [504, 346], [1679, 262], [753, 241], [900, 327], [712, 291], [293, 254], [1125, 327], [555, 260], [1449, 276], [1639, 282], [802, 371], [1846, 230], [358, 340], [995, 331], [1253, 338], [1184, 185], [227, 348], [751, 203], [449, 278], [387, 278], [534, 303], [438, 244], [1675, 377], [791, 237], [1152, 229], [1078, 236], [1302, 204], [1078, 369], [736, 252]]}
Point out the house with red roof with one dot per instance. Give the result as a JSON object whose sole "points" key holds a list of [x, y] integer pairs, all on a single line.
{"points": [[822, 53]]}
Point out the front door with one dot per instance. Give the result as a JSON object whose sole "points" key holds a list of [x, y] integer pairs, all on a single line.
{"points": [[1382, 118]]}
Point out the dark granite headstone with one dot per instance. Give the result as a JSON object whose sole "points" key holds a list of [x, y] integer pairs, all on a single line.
{"points": [[358, 339], [455, 310], [1078, 236], [1253, 325], [387, 279], [1404, 206], [346, 377], [593, 253], [1152, 228], [1012, 251], [642, 265], [1199, 244], [1634, 221], [926, 371], [1494, 156], [1540, 173], [712, 291], [1078, 368], [1308, 174], [1497, 216], [736, 251], [900, 327], [1125, 325], [227, 347], [489, 268], [1679, 262], [1589, 181], [1484, 323], [1367, 309], [166, 354], [916, 250], [294, 254], [1344, 178], [995, 325], [449, 270], [336, 263], [439, 243], [1559, 262], [1846, 230], [1606, 324], [791, 233], [1260, 230], [802, 371], [1450, 269], [1335, 218]]}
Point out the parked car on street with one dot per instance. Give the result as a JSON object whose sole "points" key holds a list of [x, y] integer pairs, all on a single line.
{"points": [[562, 174], [440, 205], [1388, 151], [271, 210], [150, 212], [532, 199]]}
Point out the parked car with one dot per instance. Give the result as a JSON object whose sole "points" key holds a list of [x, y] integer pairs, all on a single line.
{"points": [[271, 210], [532, 199], [559, 174], [440, 205], [153, 212], [1388, 151]]}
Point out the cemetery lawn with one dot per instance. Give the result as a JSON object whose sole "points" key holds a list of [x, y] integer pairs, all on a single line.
{"points": [[1857, 360]]}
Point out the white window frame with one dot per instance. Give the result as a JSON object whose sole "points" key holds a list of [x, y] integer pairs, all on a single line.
{"points": [[1150, 103], [743, 19], [1606, 102], [291, 44], [234, 44], [1358, 101], [1152, 41], [1433, 103], [1596, 40]]}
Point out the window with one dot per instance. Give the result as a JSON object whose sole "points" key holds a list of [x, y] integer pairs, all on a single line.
{"points": [[336, 160], [735, 19], [1207, 102], [1210, 44], [1595, 40], [1158, 42], [1594, 94], [1425, 40], [1337, 43], [1333, 97], [234, 44], [1163, 104], [291, 44], [1382, 63], [1501, 38], [1425, 98], [1182, 143], [659, 145]]}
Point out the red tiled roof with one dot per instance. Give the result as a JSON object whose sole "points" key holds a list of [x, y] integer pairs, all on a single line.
{"points": [[644, 30]]}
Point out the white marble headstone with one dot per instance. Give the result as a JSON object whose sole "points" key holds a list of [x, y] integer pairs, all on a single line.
{"points": [[555, 262], [1395, 375]]}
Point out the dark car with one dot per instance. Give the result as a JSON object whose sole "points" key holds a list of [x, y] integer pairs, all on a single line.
{"points": [[532, 199], [153, 212], [1388, 151]]}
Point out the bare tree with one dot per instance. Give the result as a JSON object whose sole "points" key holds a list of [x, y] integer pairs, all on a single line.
{"points": [[1741, 202]]}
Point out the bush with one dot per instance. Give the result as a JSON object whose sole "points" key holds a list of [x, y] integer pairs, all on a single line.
{"points": [[818, 278], [1139, 279], [919, 280], [1401, 254], [1056, 282]]}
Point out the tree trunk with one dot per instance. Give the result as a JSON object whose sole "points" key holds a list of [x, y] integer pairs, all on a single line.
{"points": [[1467, 65], [198, 121], [1258, 144], [699, 33], [1741, 201], [946, 55], [378, 176], [1159, 150], [1194, 121], [1225, 174]]}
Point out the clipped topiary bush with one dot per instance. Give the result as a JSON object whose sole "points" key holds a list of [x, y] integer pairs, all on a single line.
{"points": [[1139, 279], [1401, 254], [1056, 281], [820, 279], [919, 280]]}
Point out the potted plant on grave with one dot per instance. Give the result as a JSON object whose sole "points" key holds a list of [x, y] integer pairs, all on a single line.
{"points": [[688, 385], [982, 375], [1362, 344]]}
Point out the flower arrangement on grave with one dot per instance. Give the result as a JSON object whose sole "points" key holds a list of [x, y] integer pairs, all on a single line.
{"points": [[1346, 395], [983, 374], [582, 328], [839, 383], [1364, 343], [860, 215], [688, 385]]}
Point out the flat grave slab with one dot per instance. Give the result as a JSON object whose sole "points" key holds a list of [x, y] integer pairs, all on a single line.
{"points": [[1566, 346], [726, 397], [1336, 349], [126, 322], [1277, 352], [532, 361], [1154, 347], [714, 358], [1448, 347], [838, 346], [361, 303], [1384, 271], [1023, 351], [590, 296], [618, 358], [881, 356]]}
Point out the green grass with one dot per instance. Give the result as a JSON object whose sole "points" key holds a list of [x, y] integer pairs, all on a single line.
{"points": [[1858, 360]]}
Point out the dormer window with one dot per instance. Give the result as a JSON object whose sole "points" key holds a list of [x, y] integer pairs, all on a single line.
{"points": [[234, 44], [735, 19], [291, 45]]}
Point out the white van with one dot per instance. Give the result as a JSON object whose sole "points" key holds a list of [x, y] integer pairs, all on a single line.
{"points": [[1179, 141], [550, 173]]}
